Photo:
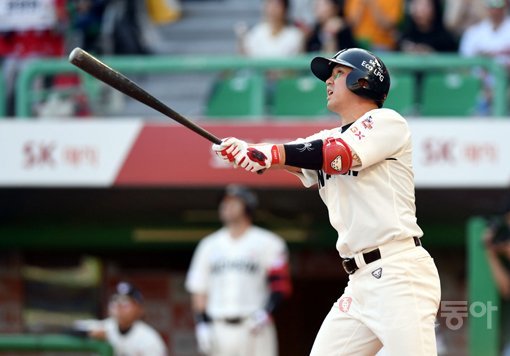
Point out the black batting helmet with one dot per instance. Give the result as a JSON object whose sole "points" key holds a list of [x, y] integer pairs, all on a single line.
{"points": [[246, 195], [365, 65]]}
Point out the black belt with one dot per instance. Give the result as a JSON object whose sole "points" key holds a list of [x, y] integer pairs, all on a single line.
{"points": [[350, 265], [235, 320]]}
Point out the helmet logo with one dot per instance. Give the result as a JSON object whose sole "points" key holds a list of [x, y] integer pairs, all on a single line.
{"points": [[375, 67]]}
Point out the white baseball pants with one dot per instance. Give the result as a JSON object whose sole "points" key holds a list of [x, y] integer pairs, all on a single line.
{"points": [[392, 302], [237, 340]]}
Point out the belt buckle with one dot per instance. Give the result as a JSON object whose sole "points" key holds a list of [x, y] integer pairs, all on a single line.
{"points": [[345, 263]]}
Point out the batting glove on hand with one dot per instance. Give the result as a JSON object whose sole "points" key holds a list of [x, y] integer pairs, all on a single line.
{"points": [[255, 158], [229, 148], [203, 333], [258, 321]]}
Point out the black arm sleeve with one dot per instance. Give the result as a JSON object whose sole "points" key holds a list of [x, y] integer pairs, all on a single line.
{"points": [[202, 317], [275, 299], [307, 155]]}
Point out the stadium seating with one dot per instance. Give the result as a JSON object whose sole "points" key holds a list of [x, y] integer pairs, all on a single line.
{"points": [[237, 96], [300, 96], [402, 96], [449, 94]]}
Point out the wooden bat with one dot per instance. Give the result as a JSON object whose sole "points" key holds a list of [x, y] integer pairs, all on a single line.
{"points": [[88, 63]]}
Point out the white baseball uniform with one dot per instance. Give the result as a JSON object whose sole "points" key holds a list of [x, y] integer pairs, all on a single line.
{"points": [[394, 300], [233, 273], [140, 340]]}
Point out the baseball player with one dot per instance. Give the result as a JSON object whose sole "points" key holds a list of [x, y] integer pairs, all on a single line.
{"points": [[126, 333], [363, 170], [237, 277]]}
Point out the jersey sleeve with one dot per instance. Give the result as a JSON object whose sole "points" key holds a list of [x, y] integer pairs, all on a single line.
{"points": [[377, 136], [198, 272]]}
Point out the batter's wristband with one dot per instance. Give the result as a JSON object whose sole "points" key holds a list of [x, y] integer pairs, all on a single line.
{"points": [[275, 155], [307, 155], [202, 318]]}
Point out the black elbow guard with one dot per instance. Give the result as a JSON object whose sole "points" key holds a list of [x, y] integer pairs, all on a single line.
{"points": [[307, 155]]}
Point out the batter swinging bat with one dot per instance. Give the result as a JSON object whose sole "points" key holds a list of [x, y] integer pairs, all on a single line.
{"points": [[101, 71]]}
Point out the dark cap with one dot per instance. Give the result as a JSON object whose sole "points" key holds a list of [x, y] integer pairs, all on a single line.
{"points": [[247, 196], [126, 289]]}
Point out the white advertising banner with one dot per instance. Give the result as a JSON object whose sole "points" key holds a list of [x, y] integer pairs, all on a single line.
{"points": [[27, 15], [461, 153], [71, 153], [448, 153]]}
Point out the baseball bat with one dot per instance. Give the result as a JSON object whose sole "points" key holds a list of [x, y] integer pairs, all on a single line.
{"points": [[113, 78]]}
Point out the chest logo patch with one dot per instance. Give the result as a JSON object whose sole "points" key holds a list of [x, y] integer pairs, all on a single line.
{"points": [[344, 304], [377, 273]]}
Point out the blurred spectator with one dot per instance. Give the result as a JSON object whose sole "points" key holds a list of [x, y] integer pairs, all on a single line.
{"points": [[124, 328], [274, 36], [375, 22], [497, 243], [122, 28], [164, 11], [331, 33], [86, 17], [489, 38], [458, 15], [424, 31], [497, 246], [301, 11], [26, 34]]}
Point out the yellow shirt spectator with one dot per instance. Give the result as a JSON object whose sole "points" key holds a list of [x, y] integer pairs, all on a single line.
{"points": [[375, 22]]}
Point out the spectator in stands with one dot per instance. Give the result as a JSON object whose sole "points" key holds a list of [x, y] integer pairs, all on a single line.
{"points": [[122, 28], [497, 246], [26, 34], [424, 31], [86, 17], [375, 22], [489, 38], [274, 36], [497, 243], [124, 328], [331, 33], [458, 15], [301, 12]]}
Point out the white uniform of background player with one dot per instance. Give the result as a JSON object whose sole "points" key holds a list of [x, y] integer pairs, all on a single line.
{"points": [[124, 331], [363, 170], [140, 340], [237, 276]]}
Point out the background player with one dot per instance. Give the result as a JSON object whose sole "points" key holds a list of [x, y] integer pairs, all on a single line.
{"points": [[238, 276], [364, 173], [124, 329]]}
